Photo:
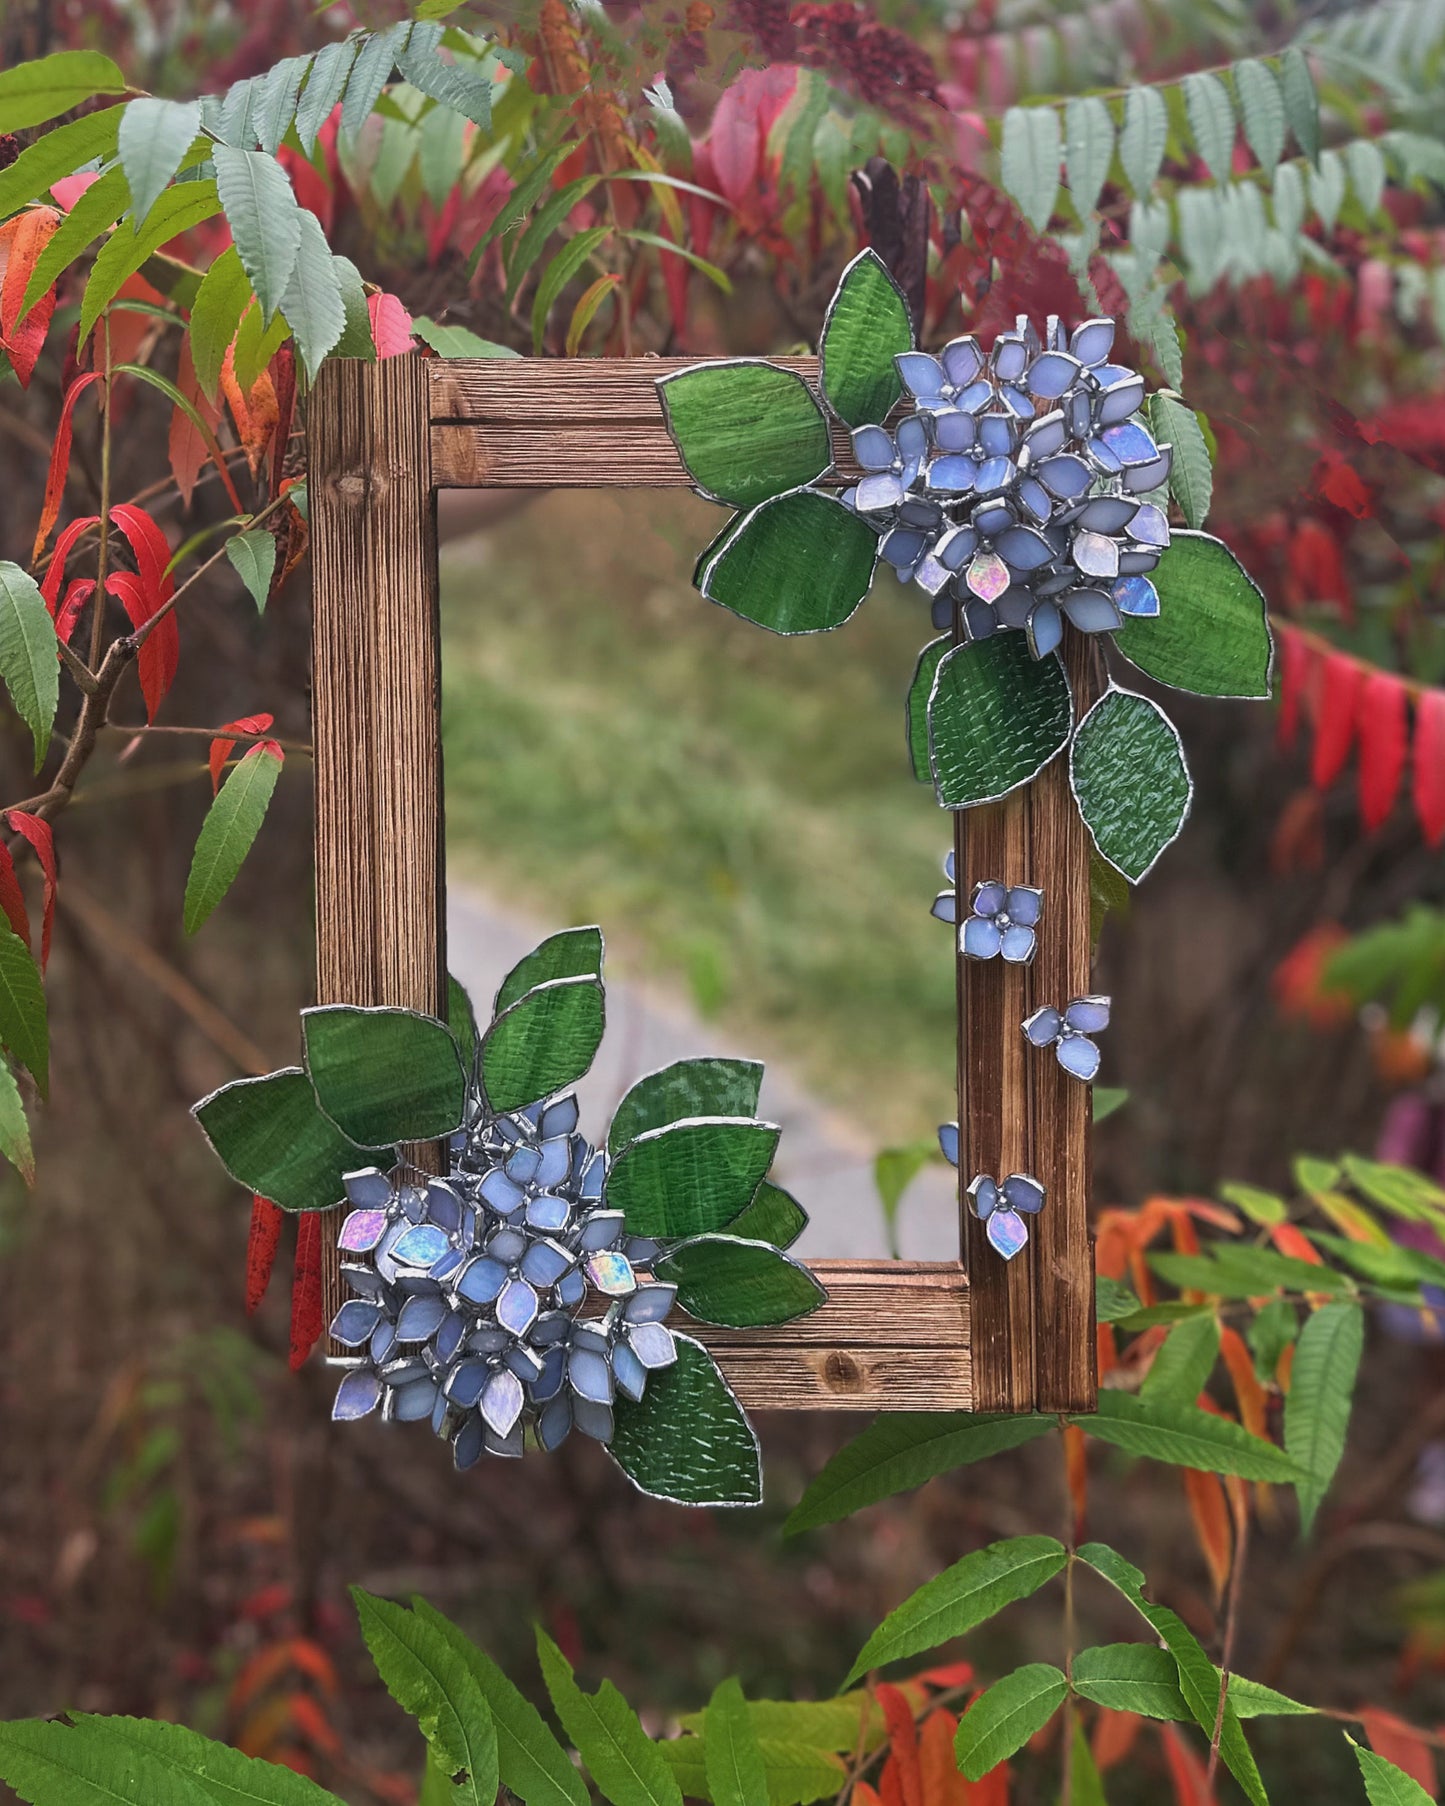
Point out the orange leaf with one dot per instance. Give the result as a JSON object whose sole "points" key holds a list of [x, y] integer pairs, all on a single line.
{"points": [[260, 1734], [1209, 1510], [255, 414], [864, 1795], [1076, 1471], [187, 445], [903, 1736], [1401, 1744], [947, 1674], [1384, 729], [1186, 1770], [943, 1784], [59, 462], [890, 1783], [1292, 1240], [22, 239], [38, 833], [1252, 1397], [1428, 783], [1115, 1735], [313, 1724]]}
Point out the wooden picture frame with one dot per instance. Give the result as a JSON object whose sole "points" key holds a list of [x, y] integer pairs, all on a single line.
{"points": [[976, 1334]]}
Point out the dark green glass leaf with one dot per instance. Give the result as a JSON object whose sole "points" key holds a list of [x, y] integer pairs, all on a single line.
{"points": [[545, 1041], [713, 547], [774, 1216], [272, 1137], [574, 953], [740, 1285], [1001, 1720], [866, 325], [746, 429], [1130, 780], [384, 1075], [1185, 1436], [1211, 635], [996, 717], [462, 1020], [707, 1087], [800, 563], [690, 1178], [919, 692], [689, 1440]]}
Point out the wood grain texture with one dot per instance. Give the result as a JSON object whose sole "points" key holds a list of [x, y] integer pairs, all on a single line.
{"points": [[376, 699]]}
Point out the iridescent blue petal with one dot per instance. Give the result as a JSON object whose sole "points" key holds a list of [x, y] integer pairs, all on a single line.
{"points": [[517, 1307], [501, 1402], [1136, 596], [420, 1246], [1007, 1233]]}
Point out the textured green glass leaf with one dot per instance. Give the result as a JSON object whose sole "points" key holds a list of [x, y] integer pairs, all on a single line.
{"points": [[691, 1177], [1386, 1785], [1321, 1391], [1261, 108], [531, 1762], [746, 429], [14, 1128], [1301, 103], [1088, 150], [1001, 1720], [739, 1284], [1185, 1436], [574, 953], [462, 1020], [706, 1087], [55, 154], [265, 221], [867, 324], [798, 1773], [29, 654], [1131, 1677], [900, 1450], [271, 1136], [622, 1758], [961, 1598], [800, 563], [1191, 478], [384, 1075], [428, 1679], [229, 831], [1211, 635], [253, 558], [1029, 161], [220, 301], [543, 1043], [1130, 780], [1181, 1368], [31, 93], [1211, 119], [1143, 138], [312, 300], [774, 1216], [154, 136], [732, 1759], [996, 717], [919, 692], [24, 1024], [689, 1440], [179, 208]]}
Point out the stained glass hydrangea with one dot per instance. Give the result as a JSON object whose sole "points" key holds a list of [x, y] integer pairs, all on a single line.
{"points": [[1070, 1033], [1000, 1205], [1002, 919], [530, 1290]]}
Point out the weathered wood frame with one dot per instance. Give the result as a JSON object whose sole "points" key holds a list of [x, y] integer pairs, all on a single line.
{"points": [[384, 438]]}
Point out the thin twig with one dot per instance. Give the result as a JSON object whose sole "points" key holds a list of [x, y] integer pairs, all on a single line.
{"points": [[1231, 1628], [136, 729], [143, 633]]}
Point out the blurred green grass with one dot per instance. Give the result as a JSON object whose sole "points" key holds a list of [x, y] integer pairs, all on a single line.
{"points": [[734, 808]]}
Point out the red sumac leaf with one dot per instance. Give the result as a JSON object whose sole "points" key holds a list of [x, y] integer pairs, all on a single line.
{"points": [[1337, 709], [266, 1221], [55, 570], [1384, 730], [77, 593], [306, 1303], [161, 651], [1428, 779], [1186, 1771], [187, 444], [903, 1736], [221, 749], [390, 325], [151, 547], [37, 832], [12, 898], [1294, 667], [22, 239], [59, 461]]}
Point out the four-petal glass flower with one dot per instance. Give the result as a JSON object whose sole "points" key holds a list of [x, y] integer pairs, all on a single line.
{"points": [[1000, 1207], [1069, 1031]]}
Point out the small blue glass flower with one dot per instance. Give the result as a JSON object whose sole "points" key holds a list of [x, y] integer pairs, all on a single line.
{"points": [[1001, 1208], [1069, 1032], [1001, 922]]}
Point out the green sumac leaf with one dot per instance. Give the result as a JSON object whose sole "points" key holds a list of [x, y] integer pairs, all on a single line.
{"points": [[689, 1440], [229, 831], [800, 563], [428, 1679], [691, 1177], [312, 301], [732, 1757], [1131, 1677], [271, 1136], [384, 1075], [572, 953], [14, 1128], [798, 1772], [463, 90], [31, 93], [996, 716], [1327, 185], [1001, 1720], [1259, 1206], [1211, 119], [1321, 1391], [1181, 1369], [57, 153], [543, 1042], [96, 209], [839, 1723], [901, 1450], [253, 558], [1185, 1436], [686, 1088], [1400, 1190], [867, 324], [1386, 1785], [153, 138], [356, 339], [747, 430], [1366, 163], [1235, 1271], [123, 253], [1129, 778], [919, 692], [1029, 161], [774, 1216], [961, 1598], [29, 654], [1211, 635], [1113, 1299], [738, 1284], [265, 221], [1088, 150], [1191, 477], [325, 84], [1143, 138], [558, 273], [221, 300], [1301, 102], [1261, 107], [24, 1024]]}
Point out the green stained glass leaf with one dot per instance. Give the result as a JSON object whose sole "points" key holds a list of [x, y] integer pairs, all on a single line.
{"points": [[996, 716], [462, 1020], [707, 1087], [1001, 1720], [384, 1075], [746, 429], [689, 1439], [774, 1216], [800, 563], [798, 1772], [1185, 1436], [544, 1042], [961, 1598], [271, 1136], [1130, 780], [732, 1758], [574, 953], [919, 692], [738, 1284], [867, 324], [622, 1758], [1211, 635], [692, 1177]]}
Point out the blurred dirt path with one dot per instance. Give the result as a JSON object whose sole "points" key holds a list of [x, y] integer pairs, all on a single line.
{"points": [[822, 1159]]}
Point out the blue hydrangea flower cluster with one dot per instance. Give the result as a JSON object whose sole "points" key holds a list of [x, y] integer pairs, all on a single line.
{"points": [[1015, 486], [470, 1290]]}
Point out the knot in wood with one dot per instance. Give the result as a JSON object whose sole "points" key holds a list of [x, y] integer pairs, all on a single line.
{"points": [[353, 487], [841, 1372]]}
